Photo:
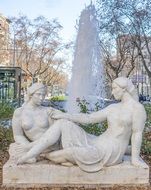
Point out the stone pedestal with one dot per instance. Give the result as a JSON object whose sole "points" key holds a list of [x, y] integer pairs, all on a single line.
{"points": [[44, 173]]}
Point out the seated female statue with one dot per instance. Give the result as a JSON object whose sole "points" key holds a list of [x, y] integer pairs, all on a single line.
{"points": [[125, 121], [31, 121]]}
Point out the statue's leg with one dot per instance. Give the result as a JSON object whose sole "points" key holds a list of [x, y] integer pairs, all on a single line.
{"points": [[128, 150], [63, 156], [50, 137]]}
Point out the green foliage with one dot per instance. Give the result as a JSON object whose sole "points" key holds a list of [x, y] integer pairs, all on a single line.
{"points": [[146, 144], [6, 110], [58, 98], [6, 137], [83, 105], [95, 129], [148, 111]]}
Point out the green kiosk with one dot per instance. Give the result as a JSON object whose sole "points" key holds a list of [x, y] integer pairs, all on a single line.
{"points": [[10, 85]]}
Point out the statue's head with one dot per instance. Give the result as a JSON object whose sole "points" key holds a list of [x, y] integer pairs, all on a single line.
{"points": [[122, 85], [36, 93]]}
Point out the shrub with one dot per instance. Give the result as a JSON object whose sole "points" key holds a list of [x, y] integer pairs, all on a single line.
{"points": [[6, 110], [146, 144], [148, 111], [95, 129], [58, 98], [6, 137]]}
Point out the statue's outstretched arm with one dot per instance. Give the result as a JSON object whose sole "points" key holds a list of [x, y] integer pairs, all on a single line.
{"points": [[82, 118], [18, 133]]}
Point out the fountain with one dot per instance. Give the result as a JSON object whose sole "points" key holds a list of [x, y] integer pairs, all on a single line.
{"points": [[87, 71], [93, 161]]}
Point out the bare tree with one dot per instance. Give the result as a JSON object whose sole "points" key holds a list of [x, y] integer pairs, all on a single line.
{"points": [[55, 75], [36, 45], [131, 20], [142, 39], [119, 56]]}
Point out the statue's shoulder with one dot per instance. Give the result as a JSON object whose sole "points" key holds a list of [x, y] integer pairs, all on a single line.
{"points": [[112, 106], [139, 106], [48, 109], [139, 111], [18, 112]]}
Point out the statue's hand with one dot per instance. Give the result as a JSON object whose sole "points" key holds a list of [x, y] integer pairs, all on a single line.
{"points": [[56, 115], [51, 112], [137, 163], [27, 145]]}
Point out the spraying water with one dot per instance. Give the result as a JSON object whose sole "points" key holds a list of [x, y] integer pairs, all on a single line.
{"points": [[87, 71]]}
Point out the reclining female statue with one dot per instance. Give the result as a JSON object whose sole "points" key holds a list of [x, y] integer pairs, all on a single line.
{"points": [[125, 121]]}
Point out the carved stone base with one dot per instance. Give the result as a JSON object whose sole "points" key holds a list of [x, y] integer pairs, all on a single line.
{"points": [[44, 173]]}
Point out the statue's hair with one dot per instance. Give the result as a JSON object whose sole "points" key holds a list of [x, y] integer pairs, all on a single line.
{"points": [[32, 89], [127, 84]]}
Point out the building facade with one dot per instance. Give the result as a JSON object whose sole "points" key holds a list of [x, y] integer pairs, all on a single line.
{"points": [[134, 60], [4, 41]]}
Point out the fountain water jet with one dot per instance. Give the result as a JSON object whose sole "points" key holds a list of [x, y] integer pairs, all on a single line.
{"points": [[87, 80]]}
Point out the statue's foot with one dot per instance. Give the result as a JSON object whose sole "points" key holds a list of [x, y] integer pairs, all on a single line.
{"points": [[31, 161], [138, 163], [23, 161], [69, 164]]}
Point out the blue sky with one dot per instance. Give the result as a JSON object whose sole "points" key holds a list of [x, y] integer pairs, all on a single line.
{"points": [[67, 11]]}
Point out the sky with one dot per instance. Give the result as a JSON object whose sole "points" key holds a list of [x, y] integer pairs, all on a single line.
{"points": [[66, 11]]}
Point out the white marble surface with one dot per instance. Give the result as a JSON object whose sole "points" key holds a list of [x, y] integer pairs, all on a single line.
{"points": [[50, 174], [92, 159], [37, 129]]}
